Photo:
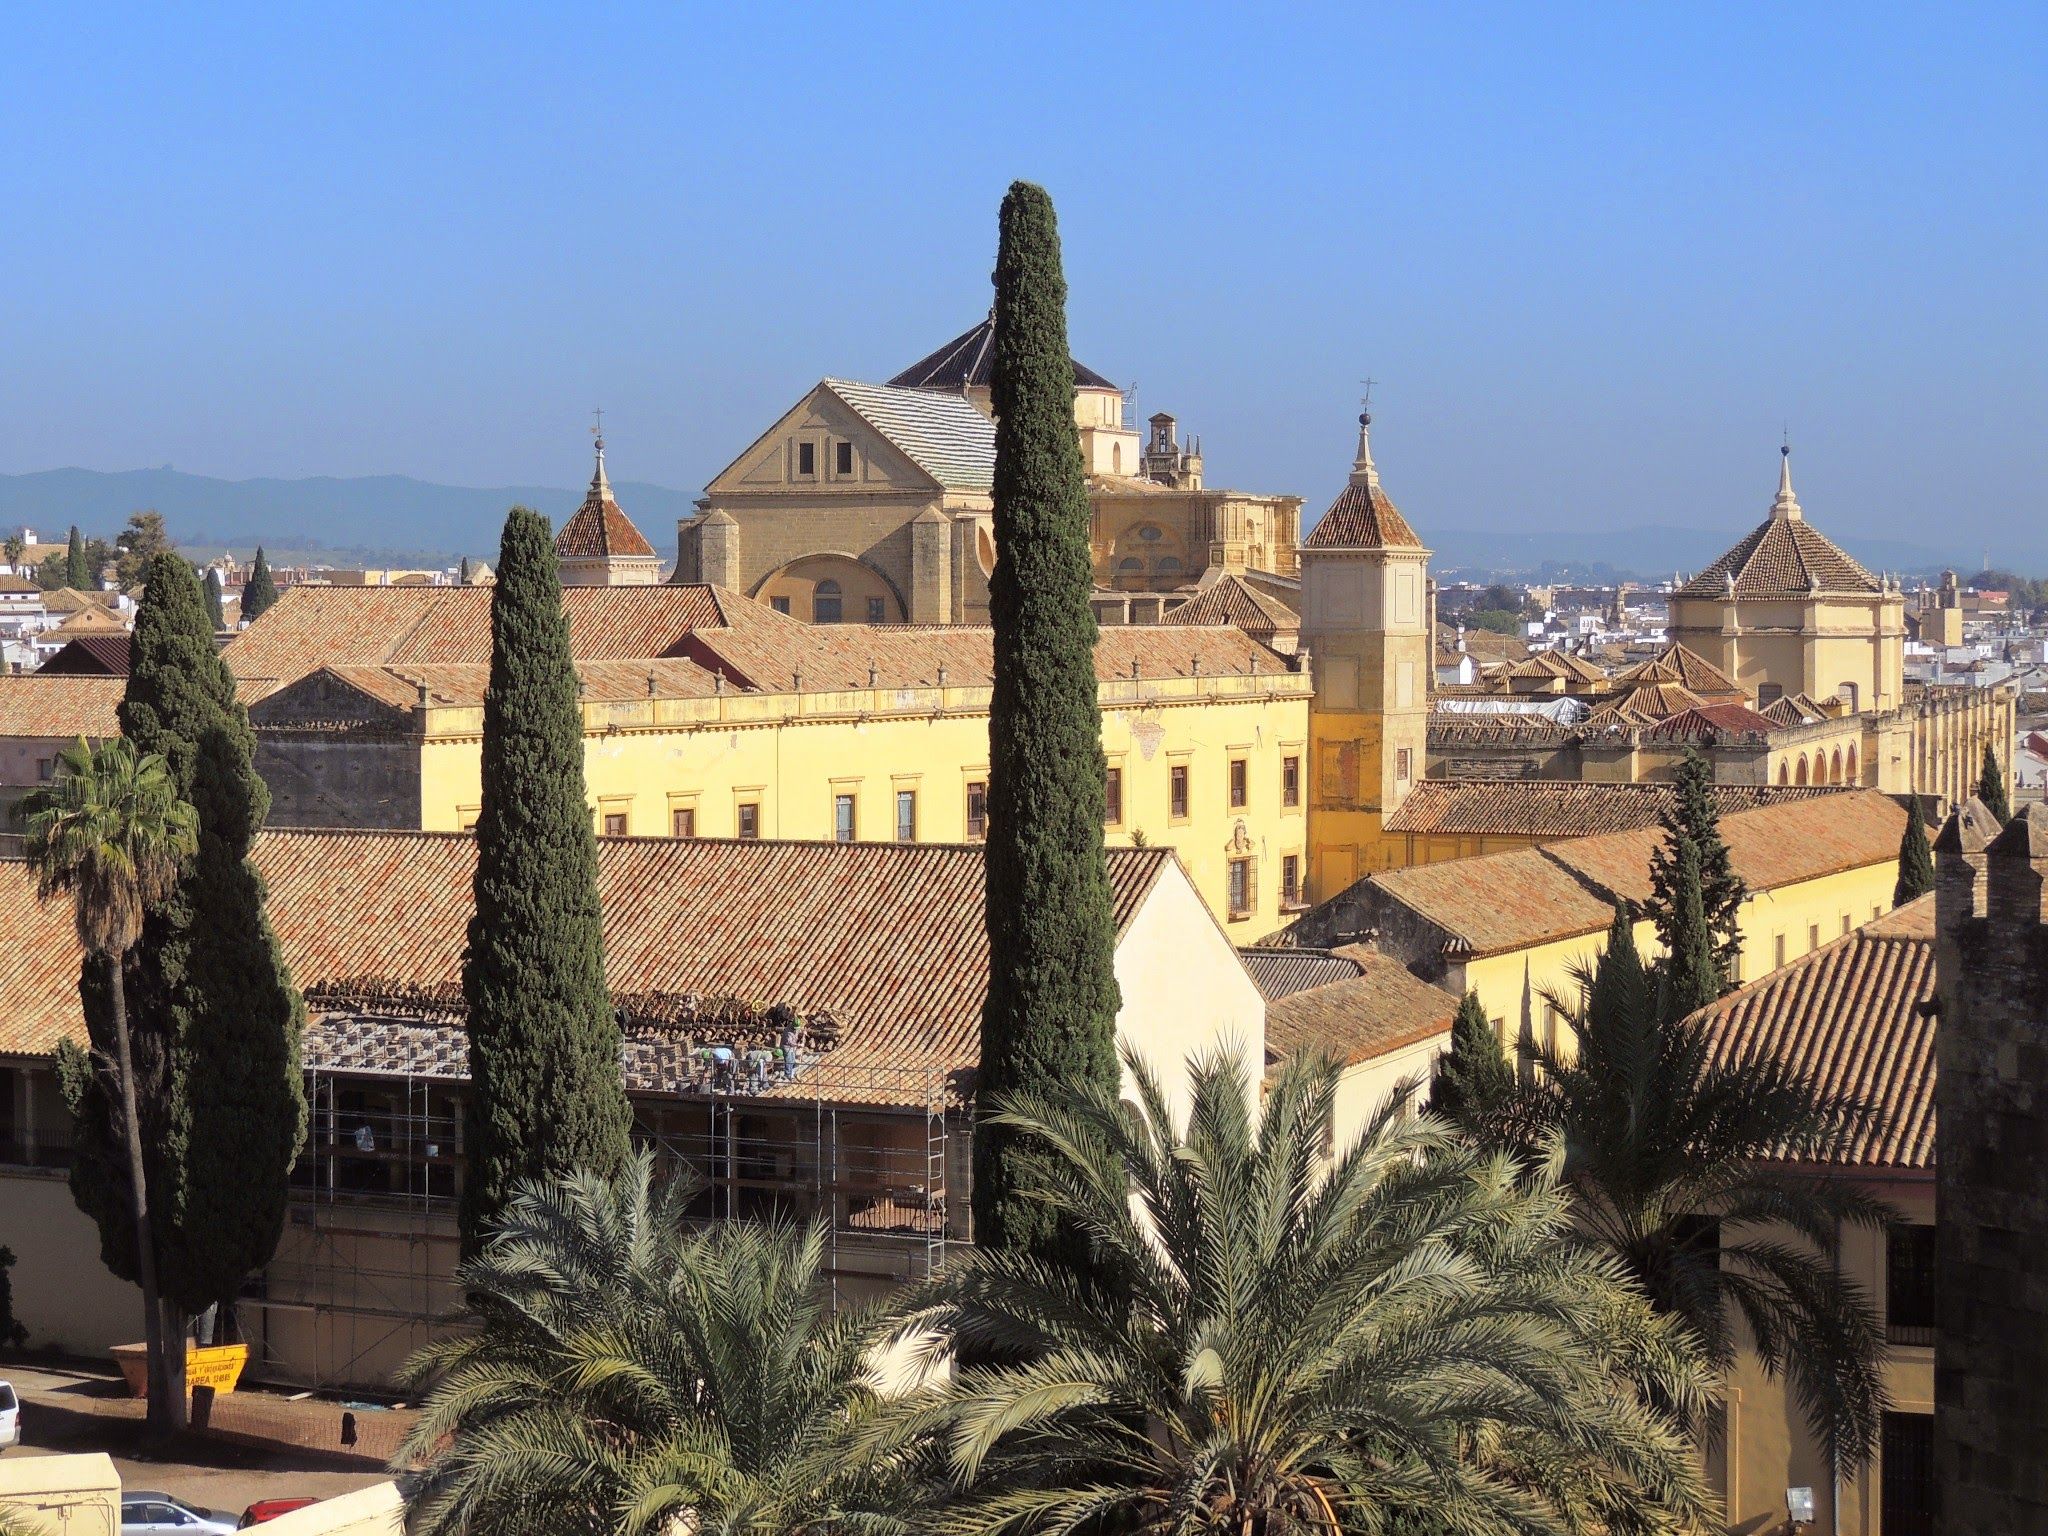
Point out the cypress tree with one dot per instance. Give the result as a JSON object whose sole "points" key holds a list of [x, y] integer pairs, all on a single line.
{"points": [[77, 574], [1991, 786], [546, 1097], [462, 576], [1621, 983], [1473, 1081], [1050, 1018], [215, 1019], [1692, 968], [215, 613], [1916, 861], [1691, 818], [259, 591]]}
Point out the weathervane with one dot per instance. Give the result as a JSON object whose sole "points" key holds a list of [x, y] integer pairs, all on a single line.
{"points": [[1365, 399], [598, 430]]}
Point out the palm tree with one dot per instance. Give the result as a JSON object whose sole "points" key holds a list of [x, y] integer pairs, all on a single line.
{"points": [[627, 1373], [110, 832], [1687, 1170], [1278, 1338]]}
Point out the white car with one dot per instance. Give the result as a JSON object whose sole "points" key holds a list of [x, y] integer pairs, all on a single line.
{"points": [[10, 1417], [158, 1514]]}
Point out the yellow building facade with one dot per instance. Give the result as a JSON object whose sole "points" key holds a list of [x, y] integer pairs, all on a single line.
{"points": [[708, 715]]}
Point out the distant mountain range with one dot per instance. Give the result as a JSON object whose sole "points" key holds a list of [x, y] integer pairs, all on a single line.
{"points": [[396, 519], [383, 515]]}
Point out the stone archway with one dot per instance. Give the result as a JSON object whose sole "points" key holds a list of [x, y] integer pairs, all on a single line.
{"points": [[833, 589]]}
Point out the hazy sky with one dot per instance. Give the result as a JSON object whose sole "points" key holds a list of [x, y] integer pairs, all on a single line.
{"points": [[1595, 257]]}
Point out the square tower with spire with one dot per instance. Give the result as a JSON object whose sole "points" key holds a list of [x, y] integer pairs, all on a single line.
{"points": [[1365, 621]]}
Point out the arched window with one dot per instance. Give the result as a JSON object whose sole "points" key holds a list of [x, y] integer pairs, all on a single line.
{"points": [[1131, 564], [1116, 461], [1802, 769], [825, 605], [1784, 770], [1834, 770], [1168, 565], [1854, 777]]}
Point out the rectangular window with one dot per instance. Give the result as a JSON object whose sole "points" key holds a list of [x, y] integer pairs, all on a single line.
{"points": [[906, 815], [842, 818], [1777, 950], [878, 611], [750, 819], [779, 604], [825, 605], [1909, 1283], [1404, 764], [46, 770], [614, 826], [1290, 781], [1177, 798], [842, 458], [1812, 937], [807, 458], [682, 822], [977, 811], [1113, 797], [1290, 880], [1845, 925], [1240, 887], [1240, 783], [1906, 1497]]}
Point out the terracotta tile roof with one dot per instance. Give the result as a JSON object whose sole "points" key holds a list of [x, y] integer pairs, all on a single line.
{"points": [[968, 360], [1779, 843], [313, 626], [1500, 902], [1233, 600], [60, 707], [1559, 808], [79, 704], [1679, 664], [599, 530], [616, 631], [1362, 517], [1793, 709], [1278, 972], [1382, 1009], [1644, 704], [91, 620], [887, 938], [71, 600], [90, 656], [1782, 557], [1851, 1017], [1709, 722]]}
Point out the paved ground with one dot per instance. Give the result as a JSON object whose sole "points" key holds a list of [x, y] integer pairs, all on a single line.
{"points": [[66, 1409]]}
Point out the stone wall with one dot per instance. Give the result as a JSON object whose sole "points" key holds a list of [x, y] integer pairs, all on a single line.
{"points": [[1991, 1360]]}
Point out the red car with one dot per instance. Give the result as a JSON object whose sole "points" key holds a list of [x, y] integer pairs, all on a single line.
{"points": [[270, 1509]]}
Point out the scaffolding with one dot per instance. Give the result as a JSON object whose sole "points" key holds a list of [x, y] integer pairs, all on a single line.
{"points": [[366, 1270]]}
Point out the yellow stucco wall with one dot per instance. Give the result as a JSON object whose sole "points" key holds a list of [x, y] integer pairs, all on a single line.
{"points": [[1767, 1447], [63, 1295], [793, 756], [1805, 915]]}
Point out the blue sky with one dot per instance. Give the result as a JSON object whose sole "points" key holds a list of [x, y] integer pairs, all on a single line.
{"points": [[1596, 257]]}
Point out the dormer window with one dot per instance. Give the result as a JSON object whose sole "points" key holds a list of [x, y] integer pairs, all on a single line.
{"points": [[842, 458], [806, 458]]}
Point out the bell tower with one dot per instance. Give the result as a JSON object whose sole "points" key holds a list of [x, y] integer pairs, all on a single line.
{"points": [[1365, 620]]}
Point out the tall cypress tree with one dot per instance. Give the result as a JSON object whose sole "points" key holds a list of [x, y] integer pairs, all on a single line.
{"points": [[1620, 980], [1473, 1081], [215, 613], [1692, 967], [259, 591], [1050, 1018], [1991, 786], [215, 1019], [1691, 818], [78, 575], [1916, 861], [462, 575], [546, 1097]]}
